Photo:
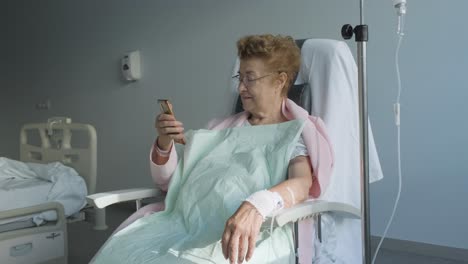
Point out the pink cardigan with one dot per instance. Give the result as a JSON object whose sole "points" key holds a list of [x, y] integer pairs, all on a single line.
{"points": [[320, 153]]}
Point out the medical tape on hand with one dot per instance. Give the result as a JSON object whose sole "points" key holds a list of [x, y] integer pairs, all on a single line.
{"points": [[266, 202]]}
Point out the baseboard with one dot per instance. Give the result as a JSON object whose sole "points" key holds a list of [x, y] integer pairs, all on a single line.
{"points": [[459, 254]]}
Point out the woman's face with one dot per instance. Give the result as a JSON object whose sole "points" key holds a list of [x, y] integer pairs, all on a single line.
{"points": [[259, 88]]}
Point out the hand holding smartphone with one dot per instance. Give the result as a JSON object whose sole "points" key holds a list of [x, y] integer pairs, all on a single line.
{"points": [[166, 108]]}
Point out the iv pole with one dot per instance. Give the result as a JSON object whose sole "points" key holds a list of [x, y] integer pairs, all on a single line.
{"points": [[361, 37]]}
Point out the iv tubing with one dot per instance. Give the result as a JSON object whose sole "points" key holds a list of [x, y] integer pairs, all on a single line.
{"points": [[397, 123]]}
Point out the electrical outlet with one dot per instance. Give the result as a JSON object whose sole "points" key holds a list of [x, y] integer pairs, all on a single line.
{"points": [[43, 105]]}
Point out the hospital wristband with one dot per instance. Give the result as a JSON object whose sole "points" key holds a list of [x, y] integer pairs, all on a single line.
{"points": [[266, 202]]}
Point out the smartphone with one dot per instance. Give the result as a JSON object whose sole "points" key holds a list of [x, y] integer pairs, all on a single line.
{"points": [[167, 109]]}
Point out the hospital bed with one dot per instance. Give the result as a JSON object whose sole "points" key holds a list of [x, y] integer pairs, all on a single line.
{"points": [[326, 86], [37, 232]]}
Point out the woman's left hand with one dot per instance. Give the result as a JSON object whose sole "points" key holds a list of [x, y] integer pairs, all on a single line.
{"points": [[240, 233]]}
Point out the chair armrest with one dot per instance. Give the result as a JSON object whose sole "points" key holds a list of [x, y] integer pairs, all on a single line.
{"points": [[102, 200], [310, 208]]}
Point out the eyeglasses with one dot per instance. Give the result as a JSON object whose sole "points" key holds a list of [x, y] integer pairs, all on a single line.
{"points": [[248, 82]]}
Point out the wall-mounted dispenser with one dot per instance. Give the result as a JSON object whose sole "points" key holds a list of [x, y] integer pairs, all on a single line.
{"points": [[131, 66]]}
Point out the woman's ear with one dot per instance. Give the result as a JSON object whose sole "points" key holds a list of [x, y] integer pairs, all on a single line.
{"points": [[283, 79]]}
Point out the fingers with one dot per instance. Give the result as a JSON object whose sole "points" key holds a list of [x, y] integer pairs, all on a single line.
{"points": [[230, 242], [166, 117], [254, 234], [175, 133], [167, 125], [244, 245], [164, 120], [238, 247], [171, 130], [251, 247], [233, 248], [162, 124], [225, 241], [240, 234], [237, 244]]}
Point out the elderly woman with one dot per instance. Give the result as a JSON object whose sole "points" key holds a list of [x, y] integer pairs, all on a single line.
{"points": [[268, 66]]}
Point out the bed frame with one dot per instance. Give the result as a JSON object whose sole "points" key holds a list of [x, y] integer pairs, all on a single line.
{"points": [[43, 143]]}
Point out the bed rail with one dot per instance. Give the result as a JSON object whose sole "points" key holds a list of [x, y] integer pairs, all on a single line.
{"points": [[56, 144], [14, 244]]}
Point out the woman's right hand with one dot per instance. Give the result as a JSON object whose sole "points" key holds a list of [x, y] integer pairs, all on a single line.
{"points": [[168, 129]]}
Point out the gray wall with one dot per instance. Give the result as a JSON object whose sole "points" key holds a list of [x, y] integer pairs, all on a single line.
{"points": [[433, 65], [68, 52]]}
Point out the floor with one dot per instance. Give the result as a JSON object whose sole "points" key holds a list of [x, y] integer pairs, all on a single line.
{"points": [[84, 241]]}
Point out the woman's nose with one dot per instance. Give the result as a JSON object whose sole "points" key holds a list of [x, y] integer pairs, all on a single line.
{"points": [[241, 87]]}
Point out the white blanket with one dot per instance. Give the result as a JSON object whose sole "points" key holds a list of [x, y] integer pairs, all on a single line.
{"points": [[28, 184]]}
